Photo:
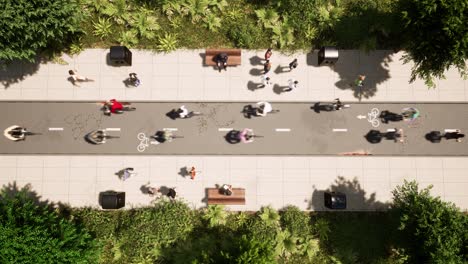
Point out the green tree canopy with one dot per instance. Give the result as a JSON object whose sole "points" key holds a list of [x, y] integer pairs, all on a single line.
{"points": [[32, 233], [437, 230], [435, 36], [29, 26]]}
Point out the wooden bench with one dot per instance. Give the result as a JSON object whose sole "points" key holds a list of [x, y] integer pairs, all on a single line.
{"points": [[234, 56], [237, 197]]}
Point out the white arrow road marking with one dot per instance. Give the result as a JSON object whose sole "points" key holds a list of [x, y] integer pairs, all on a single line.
{"points": [[225, 129], [55, 128], [361, 116], [283, 130], [170, 129], [340, 130], [113, 129]]}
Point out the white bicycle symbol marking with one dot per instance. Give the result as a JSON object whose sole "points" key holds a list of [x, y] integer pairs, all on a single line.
{"points": [[144, 142], [372, 117]]}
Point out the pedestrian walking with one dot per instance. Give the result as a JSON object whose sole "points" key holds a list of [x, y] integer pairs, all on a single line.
{"points": [[293, 65], [171, 193], [127, 172], [267, 67], [134, 79], [292, 84], [268, 54], [193, 172], [152, 191], [360, 80], [75, 78], [266, 80]]}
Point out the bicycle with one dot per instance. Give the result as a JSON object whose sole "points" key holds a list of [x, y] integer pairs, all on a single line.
{"points": [[372, 117]]}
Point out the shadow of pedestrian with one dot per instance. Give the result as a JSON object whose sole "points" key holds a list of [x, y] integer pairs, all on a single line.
{"points": [[256, 61], [356, 197], [278, 89], [256, 72], [184, 172], [281, 69], [232, 137], [254, 86]]}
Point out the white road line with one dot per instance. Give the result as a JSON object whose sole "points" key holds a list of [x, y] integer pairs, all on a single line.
{"points": [[225, 129], [283, 130], [55, 128], [391, 130], [449, 130], [340, 130], [113, 129], [170, 129]]}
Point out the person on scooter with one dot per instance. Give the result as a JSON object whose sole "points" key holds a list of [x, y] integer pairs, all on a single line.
{"points": [[113, 106], [246, 135], [263, 108]]}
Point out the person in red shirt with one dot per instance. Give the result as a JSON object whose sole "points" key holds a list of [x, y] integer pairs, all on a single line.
{"points": [[112, 106]]}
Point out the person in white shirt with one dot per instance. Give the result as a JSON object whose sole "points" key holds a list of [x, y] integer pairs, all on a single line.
{"points": [[182, 111], [266, 80], [292, 84], [263, 108]]}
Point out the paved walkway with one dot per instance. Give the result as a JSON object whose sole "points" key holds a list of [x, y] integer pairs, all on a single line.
{"points": [[277, 181], [181, 76]]}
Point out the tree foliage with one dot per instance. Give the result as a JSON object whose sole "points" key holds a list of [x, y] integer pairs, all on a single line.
{"points": [[32, 233], [436, 36], [29, 26], [437, 229]]}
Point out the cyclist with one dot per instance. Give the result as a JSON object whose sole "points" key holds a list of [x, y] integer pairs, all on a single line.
{"points": [[263, 108], [337, 104], [163, 136], [246, 135], [15, 133], [183, 112], [113, 106], [97, 136]]}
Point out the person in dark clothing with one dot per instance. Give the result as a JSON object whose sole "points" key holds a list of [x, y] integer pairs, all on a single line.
{"points": [[171, 193], [221, 61], [293, 65], [454, 135], [267, 66]]}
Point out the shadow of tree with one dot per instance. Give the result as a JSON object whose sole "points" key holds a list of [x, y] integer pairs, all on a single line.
{"points": [[17, 71], [355, 196]]}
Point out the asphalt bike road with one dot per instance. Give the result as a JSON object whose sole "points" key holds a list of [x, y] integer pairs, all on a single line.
{"points": [[295, 130]]}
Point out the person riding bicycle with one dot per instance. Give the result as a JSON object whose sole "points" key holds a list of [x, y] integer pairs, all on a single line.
{"points": [[97, 136], [263, 108], [457, 135], [113, 106], [163, 136], [15, 133], [183, 112], [337, 104], [246, 135]]}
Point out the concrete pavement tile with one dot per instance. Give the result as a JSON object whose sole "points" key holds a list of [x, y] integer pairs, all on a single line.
{"points": [[296, 175], [190, 188], [165, 88], [55, 188], [273, 188], [191, 56], [111, 82], [456, 188], [461, 201], [83, 162], [322, 162], [15, 68], [83, 174], [134, 186], [213, 175], [400, 95], [376, 175], [216, 162], [8, 175], [190, 88], [430, 175], [348, 62], [244, 162], [455, 96], [138, 161], [270, 163], [189, 161], [402, 163], [58, 174], [107, 174], [83, 200], [33, 94], [56, 161], [275, 201], [163, 162], [399, 175], [382, 163], [429, 163], [36, 186], [142, 92], [59, 82], [451, 84], [81, 188], [35, 82], [455, 175], [140, 56], [13, 92], [166, 70], [165, 58], [326, 176], [110, 161], [455, 163], [59, 94], [83, 93], [88, 56], [268, 175], [350, 174], [30, 161], [56, 198], [396, 66], [296, 163], [238, 88], [301, 201], [9, 161], [190, 69], [56, 69], [302, 188], [243, 174], [215, 88], [349, 162], [195, 201]]}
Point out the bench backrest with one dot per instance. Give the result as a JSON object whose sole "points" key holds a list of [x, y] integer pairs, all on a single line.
{"points": [[230, 52]]}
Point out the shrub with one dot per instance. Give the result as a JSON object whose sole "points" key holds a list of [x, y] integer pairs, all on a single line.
{"points": [[296, 221], [244, 35]]}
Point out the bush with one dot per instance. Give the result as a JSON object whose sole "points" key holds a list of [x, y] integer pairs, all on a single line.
{"points": [[27, 27], [296, 221], [33, 233], [245, 35]]}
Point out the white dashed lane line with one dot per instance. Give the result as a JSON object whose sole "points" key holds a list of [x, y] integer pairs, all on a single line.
{"points": [[340, 130], [283, 130], [113, 129], [225, 129], [55, 128], [170, 129]]}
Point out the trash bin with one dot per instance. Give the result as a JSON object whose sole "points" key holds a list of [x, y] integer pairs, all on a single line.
{"points": [[327, 56], [112, 200], [120, 55], [335, 200]]}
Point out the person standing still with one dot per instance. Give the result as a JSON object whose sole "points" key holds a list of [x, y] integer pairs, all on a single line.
{"points": [[360, 80], [268, 54], [266, 80], [267, 67], [293, 65], [292, 84]]}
